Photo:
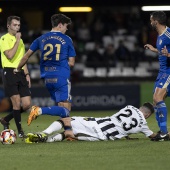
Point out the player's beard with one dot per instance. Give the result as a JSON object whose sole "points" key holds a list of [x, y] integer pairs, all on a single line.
{"points": [[154, 27]]}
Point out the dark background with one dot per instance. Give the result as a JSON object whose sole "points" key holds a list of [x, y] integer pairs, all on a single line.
{"points": [[49, 7], [89, 2], [35, 18]]}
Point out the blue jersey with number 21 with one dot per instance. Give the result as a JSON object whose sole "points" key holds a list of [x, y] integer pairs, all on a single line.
{"points": [[56, 48]]}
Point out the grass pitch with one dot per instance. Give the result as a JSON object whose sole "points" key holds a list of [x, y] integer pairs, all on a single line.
{"points": [[104, 155], [141, 154]]}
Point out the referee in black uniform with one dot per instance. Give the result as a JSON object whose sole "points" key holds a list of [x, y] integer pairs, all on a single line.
{"points": [[16, 85]]}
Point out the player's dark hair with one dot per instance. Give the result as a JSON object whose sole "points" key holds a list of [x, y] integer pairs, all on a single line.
{"points": [[149, 106], [159, 16], [10, 18], [59, 18]]}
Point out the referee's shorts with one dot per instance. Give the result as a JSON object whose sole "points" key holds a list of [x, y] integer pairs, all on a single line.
{"points": [[15, 84]]}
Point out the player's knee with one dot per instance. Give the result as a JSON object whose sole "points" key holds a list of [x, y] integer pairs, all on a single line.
{"points": [[26, 106], [157, 98], [66, 105], [16, 105]]}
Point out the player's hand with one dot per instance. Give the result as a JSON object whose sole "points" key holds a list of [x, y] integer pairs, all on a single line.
{"points": [[164, 51], [150, 47]]}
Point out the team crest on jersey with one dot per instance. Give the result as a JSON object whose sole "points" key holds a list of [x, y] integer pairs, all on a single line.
{"points": [[160, 42]]}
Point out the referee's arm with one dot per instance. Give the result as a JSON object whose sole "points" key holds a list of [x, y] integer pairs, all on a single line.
{"points": [[11, 52]]}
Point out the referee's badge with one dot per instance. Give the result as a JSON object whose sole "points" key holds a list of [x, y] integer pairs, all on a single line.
{"points": [[5, 73]]}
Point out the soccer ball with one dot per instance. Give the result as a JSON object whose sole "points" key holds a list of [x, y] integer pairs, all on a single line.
{"points": [[8, 136]]}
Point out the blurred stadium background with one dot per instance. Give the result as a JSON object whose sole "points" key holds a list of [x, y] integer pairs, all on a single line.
{"points": [[112, 68]]}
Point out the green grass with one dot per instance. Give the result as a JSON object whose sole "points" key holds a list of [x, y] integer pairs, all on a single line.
{"points": [[141, 154]]}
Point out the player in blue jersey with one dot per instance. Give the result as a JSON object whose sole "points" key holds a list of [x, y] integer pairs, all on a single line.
{"points": [[57, 56], [161, 87]]}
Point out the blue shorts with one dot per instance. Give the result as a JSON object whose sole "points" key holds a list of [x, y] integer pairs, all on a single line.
{"points": [[59, 89], [163, 81]]}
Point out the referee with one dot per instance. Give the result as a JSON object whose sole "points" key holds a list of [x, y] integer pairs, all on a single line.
{"points": [[16, 85]]}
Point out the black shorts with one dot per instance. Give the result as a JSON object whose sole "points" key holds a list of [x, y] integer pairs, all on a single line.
{"points": [[15, 84]]}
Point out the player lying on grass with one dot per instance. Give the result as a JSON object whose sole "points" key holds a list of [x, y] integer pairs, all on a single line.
{"points": [[129, 120]]}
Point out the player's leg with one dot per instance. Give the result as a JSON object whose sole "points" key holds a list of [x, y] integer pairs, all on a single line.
{"points": [[26, 103], [65, 104], [61, 136], [161, 108], [42, 137], [54, 127], [154, 104], [16, 112], [11, 89], [60, 92], [5, 120], [25, 99], [87, 128], [58, 125], [53, 111]]}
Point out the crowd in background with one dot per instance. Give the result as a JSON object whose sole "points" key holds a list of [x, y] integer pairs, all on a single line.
{"points": [[104, 40]]}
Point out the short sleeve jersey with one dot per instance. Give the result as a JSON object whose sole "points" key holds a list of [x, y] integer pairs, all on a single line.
{"points": [[130, 120], [55, 48], [7, 42]]}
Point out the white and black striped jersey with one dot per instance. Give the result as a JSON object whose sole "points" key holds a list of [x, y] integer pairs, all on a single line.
{"points": [[128, 120]]}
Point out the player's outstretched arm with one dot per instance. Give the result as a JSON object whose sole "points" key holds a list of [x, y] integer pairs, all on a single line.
{"points": [[150, 47]]}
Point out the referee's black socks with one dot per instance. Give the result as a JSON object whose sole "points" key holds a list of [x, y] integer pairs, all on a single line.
{"points": [[17, 118], [10, 116]]}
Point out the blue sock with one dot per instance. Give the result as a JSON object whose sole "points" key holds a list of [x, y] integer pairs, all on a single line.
{"points": [[162, 111], [157, 116], [55, 111]]}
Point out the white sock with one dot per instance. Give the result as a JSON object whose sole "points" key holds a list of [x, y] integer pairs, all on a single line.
{"points": [[39, 111], [54, 138], [55, 126]]}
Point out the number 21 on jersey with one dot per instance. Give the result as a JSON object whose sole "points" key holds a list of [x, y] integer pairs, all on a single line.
{"points": [[50, 48]]}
